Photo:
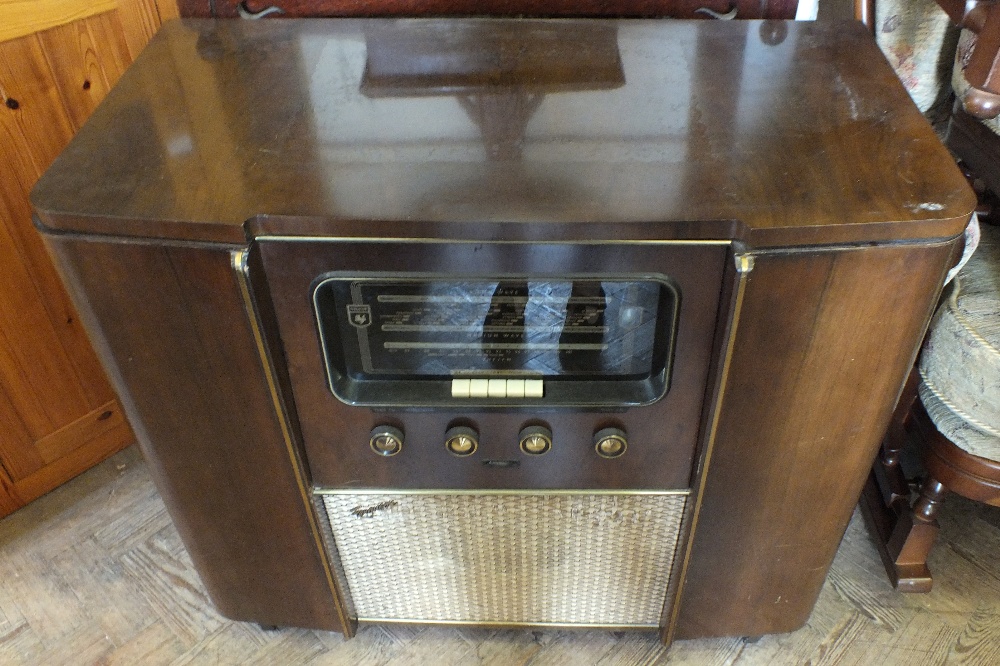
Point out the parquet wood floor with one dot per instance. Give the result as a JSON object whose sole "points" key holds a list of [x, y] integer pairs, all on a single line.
{"points": [[94, 573]]}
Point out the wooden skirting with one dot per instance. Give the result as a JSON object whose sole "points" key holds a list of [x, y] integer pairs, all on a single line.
{"points": [[94, 425], [58, 413], [68, 452]]}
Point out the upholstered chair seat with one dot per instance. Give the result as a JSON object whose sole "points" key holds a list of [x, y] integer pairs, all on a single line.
{"points": [[951, 408], [960, 364]]}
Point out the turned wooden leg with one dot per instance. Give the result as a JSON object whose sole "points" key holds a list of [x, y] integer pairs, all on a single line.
{"points": [[887, 476], [913, 537], [885, 503], [983, 69], [926, 507], [903, 536]]}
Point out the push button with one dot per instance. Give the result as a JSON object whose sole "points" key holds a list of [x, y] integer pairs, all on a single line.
{"points": [[497, 388], [479, 388], [461, 388]]}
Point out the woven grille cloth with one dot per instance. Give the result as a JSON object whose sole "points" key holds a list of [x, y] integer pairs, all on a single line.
{"points": [[593, 559]]}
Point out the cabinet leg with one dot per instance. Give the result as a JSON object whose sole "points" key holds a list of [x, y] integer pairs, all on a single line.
{"points": [[913, 537], [903, 535]]}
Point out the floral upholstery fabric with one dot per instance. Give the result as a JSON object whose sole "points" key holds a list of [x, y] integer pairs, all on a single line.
{"points": [[919, 41]]}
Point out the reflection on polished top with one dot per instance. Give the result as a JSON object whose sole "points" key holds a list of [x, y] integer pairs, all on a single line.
{"points": [[774, 133]]}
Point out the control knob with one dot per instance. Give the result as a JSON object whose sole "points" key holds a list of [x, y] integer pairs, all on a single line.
{"points": [[386, 440], [461, 441], [610, 442], [535, 440]]}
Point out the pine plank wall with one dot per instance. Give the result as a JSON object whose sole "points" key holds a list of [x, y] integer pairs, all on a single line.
{"points": [[58, 413]]}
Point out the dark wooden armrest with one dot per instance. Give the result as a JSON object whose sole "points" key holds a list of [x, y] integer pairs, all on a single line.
{"points": [[864, 11], [982, 71]]}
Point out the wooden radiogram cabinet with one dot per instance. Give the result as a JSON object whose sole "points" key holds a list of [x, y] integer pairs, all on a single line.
{"points": [[769, 186], [679, 9]]}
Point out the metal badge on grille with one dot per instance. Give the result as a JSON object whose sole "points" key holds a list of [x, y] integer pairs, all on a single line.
{"points": [[522, 558]]}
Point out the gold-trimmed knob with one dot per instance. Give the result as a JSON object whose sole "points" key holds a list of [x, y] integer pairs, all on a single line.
{"points": [[386, 440], [535, 440], [610, 442], [461, 441]]}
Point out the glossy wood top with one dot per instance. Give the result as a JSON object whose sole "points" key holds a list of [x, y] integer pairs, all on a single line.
{"points": [[743, 9], [775, 133]]}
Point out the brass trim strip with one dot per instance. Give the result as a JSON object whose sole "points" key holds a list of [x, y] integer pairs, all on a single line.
{"points": [[474, 623], [490, 491], [857, 246], [240, 268], [744, 265], [361, 239]]}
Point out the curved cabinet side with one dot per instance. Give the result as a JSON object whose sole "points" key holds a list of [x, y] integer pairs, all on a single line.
{"points": [[170, 326], [825, 342]]}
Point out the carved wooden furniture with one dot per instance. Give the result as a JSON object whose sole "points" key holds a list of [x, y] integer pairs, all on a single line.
{"points": [[980, 67], [239, 161], [923, 47], [952, 408], [904, 526]]}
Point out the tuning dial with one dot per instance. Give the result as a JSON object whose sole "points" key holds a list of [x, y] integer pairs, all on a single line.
{"points": [[461, 441], [386, 440], [610, 442], [535, 440]]}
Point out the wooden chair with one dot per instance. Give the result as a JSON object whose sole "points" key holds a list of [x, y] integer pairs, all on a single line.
{"points": [[913, 36], [978, 73], [951, 407]]}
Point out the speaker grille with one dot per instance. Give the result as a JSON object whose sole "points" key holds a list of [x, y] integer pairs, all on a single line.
{"points": [[522, 558]]}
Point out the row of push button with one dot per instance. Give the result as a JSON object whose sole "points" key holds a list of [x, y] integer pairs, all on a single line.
{"points": [[497, 388]]}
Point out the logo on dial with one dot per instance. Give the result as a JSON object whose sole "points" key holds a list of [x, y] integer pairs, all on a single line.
{"points": [[360, 316]]}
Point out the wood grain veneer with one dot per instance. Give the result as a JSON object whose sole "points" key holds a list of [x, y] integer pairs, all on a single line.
{"points": [[821, 333], [794, 143], [180, 349], [745, 9], [693, 164]]}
